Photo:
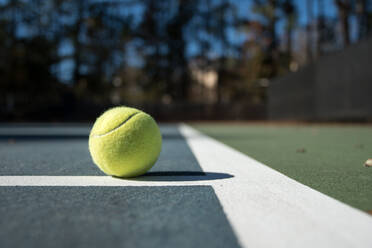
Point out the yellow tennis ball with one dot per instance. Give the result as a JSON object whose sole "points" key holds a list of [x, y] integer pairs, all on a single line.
{"points": [[125, 142]]}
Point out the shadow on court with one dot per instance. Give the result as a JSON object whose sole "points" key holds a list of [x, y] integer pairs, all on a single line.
{"points": [[166, 176]]}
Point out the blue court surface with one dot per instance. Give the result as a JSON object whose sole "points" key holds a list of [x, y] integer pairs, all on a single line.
{"points": [[200, 193]]}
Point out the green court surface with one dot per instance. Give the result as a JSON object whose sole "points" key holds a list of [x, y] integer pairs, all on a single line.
{"points": [[328, 158]]}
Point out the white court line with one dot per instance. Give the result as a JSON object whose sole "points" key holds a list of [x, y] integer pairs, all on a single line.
{"points": [[101, 181], [264, 207], [268, 209]]}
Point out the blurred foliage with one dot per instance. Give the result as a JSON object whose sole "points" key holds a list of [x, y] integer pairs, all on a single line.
{"points": [[59, 56]]}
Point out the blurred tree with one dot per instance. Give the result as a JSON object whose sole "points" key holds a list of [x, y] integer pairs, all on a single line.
{"points": [[223, 17], [98, 33], [27, 58], [179, 79], [75, 31], [166, 30], [344, 8], [289, 11], [321, 28], [153, 49], [309, 29], [268, 9], [362, 17]]}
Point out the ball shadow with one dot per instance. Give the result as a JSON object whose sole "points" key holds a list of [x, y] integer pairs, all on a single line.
{"points": [[167, 176]]}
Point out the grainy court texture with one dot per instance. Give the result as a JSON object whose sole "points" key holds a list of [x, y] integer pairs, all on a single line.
{"points": [[201, 193]]}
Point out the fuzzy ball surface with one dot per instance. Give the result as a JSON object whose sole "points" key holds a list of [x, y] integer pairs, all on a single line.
{"points": [[125, 142]]}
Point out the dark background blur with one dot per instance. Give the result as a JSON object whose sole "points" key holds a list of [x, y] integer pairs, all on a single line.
{"points": [[177, 59]]}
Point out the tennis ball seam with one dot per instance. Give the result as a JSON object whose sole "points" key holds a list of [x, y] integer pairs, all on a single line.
{"points": [[125, 142], [98, 136], [116, 128]]}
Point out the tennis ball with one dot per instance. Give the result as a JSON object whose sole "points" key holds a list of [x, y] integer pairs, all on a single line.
{"points": [[125, 142]]}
